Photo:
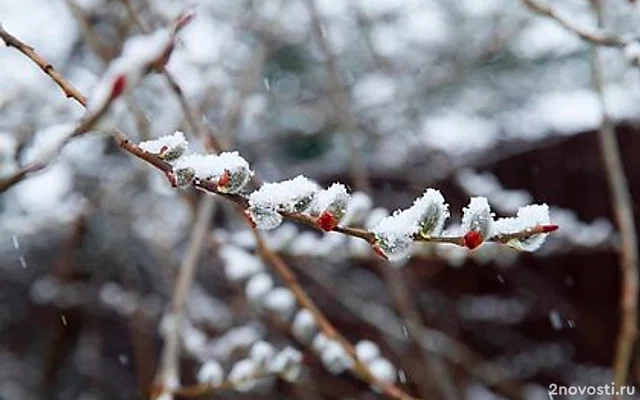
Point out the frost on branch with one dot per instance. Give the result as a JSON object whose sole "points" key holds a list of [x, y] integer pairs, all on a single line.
{"points": [[477, 220], [290, 196], [527, 218], [425, 217], [228, 170], [168, 147]]}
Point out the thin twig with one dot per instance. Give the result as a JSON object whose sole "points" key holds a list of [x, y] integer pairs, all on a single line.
{"points": [[19, 175], [200, 129], [435, 369], [597, 36], [169, 365], [340, 99], [623, 211], [209, 186], [431, 340], [289, 278], [48, 69]]}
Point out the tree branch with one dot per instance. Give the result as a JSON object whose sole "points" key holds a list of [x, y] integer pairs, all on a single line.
{"points": [[623, 211], [67, 88], [597, 37]]}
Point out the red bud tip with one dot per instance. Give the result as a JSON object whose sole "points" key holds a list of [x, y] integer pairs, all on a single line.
{"points": [[225, 179], [326, 221], [549, 228], [376, 249], [119, 86], [249, 219], [472, 239], [183, 19], [172, 179]]}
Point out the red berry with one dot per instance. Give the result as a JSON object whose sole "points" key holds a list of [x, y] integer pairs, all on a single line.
{"points": [[249, 219], [472, 239], [549, 228], [379, 252], [118, 86], [327, 221], [225, 179]]}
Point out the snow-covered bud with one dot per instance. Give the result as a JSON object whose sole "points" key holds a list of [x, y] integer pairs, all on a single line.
{"points": [[359, 205], [294, 195], [262, 352], [319, 343], [287, 364], [258, 287], [394, 236], [139, 55], [335, 357], [330, 205], [527, 218], [383, 370], [211, 373], [304, 326], [264, 218], [281, 301], [477, 221], [366, 351], [239, 265], [632, 52], [182, 177], [431, 212], [229, 171], [168, 147], [426, 217], [243, 375]]}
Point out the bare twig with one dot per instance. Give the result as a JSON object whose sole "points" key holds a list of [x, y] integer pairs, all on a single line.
{"points": [[200, 129], [623, 211], [169, 365], [48, 69], [289, 278], [595, 36], [340, 99], [209, 186], [431, 340], [19, 175], [436, 373]]}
